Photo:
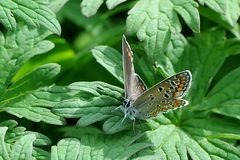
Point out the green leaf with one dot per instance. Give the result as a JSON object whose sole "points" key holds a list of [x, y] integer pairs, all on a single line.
{"points": [[3, 147], [113, 3], [224, 97], [16, 143], [92, 101], [41, 140], [40, 154], [173, 142], [167, 60], [219, 6], [24, 97], [56, 5], [230, 109], [204, 56], [18, 47], [13, 132], [212, 128], [232, 12], [228, 18], [32, 13], [27, 104], [97, 147], [154, 22], [90, 7], [115, 124], [110, 59], [22, 149]]}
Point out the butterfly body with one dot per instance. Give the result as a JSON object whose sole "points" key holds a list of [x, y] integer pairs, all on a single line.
{"points": [[144, 103]]}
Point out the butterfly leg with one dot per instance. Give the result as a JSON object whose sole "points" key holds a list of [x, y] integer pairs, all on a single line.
{"points": [[134, 124], [125, 116]]}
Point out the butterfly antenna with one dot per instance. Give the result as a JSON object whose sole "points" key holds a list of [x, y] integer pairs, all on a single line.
{"points": [[116, 108]]}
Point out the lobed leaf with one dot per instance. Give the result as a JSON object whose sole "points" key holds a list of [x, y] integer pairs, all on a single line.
{"points": [[32, 13], [97, 147], [3, 146], [113, 3], [172, 142], [22, 149], [20, 145], [154, 22], [227, 17], [110, 59], [89, 101], [90, 8], [219, 6]]}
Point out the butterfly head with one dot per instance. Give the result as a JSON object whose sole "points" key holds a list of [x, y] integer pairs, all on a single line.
{"points": [[128, 109]]}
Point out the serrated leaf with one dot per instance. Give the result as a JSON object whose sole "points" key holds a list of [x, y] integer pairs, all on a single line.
{"points": [[16, 48], [92, 101], [22, 149], [40, 154], [154, 21], [110, 59], [19, 142], [41, 140], [113, 3], [216, 5], [27, 104], [232, 12], [171, 142], [90, 7], [97, 147], [227, 19], [31, 12], [56, 5], [167, 60], [3, 149], [24, 97]]}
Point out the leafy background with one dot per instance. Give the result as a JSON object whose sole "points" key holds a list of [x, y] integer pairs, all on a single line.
{"points": [[61, 76]]}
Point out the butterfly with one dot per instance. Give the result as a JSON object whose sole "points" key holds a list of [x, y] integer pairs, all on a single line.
{"points": [[140, 102]]}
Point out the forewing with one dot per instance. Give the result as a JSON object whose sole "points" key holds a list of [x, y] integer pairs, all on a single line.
{"points": [[165, 95], [133, 84]]}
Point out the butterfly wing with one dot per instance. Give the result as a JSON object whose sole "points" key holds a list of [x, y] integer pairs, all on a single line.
{"points": [[164, 96], [133, 84]]}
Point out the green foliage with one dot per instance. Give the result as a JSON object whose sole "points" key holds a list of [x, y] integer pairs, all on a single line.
{"points": [[32, 13], [65, 110]]}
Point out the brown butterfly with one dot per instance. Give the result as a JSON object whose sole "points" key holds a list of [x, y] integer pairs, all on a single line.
{"points": [[144, 103]]}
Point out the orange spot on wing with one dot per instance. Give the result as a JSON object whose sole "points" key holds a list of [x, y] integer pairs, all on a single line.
{"points": [[176, 94], [179, 89], [181, 85]]}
